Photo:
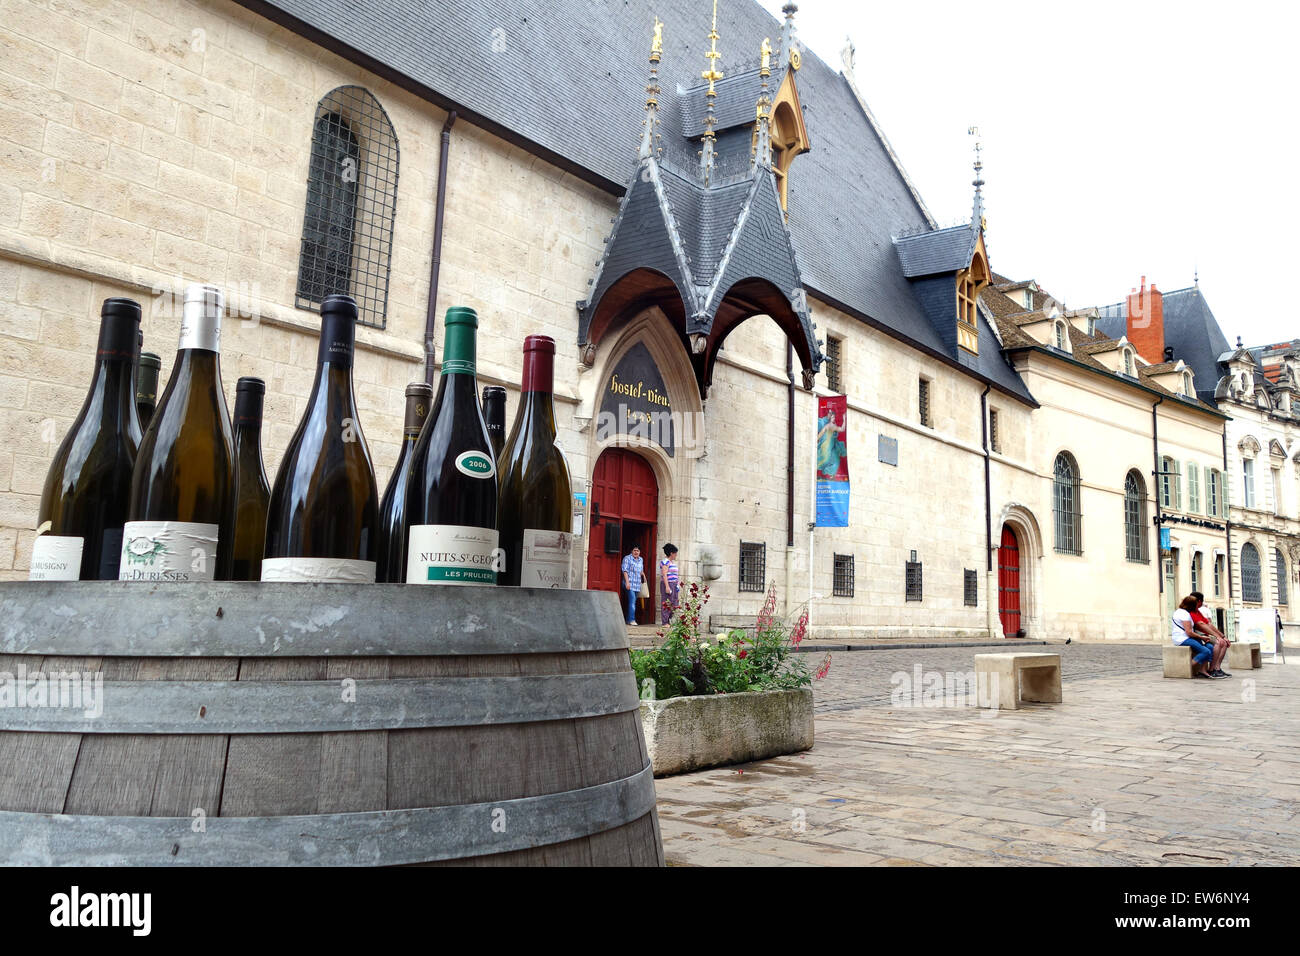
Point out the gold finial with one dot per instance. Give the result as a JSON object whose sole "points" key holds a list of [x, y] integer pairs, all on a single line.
{"points": [[767, 53], [657, 47], [712, 74]]}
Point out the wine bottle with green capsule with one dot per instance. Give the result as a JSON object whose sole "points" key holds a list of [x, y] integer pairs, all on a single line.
{"points": [[451, 504], [146, 387], [88, 486], [322, 521], [180, 514], [392, 509], [535, 506]]}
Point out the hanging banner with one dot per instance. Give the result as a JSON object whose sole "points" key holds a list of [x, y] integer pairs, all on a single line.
{"points": [[832, 462]]}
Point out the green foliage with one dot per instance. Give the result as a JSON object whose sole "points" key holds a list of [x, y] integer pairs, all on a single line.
{"points": [[688, 664]]}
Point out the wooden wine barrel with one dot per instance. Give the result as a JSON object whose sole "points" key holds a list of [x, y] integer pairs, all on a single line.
{"points": [[291, 724]]}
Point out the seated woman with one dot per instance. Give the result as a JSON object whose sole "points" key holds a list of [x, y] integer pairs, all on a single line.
{"points": [[1184, 633]]}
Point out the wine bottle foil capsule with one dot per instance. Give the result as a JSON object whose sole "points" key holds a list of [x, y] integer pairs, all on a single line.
{"points": [[201, 318]]}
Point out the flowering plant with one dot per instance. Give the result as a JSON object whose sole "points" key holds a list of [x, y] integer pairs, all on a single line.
{"points": [[689, 664]]}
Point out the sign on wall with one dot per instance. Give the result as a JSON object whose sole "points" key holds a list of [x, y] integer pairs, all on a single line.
{"points": [[1258, 625], [635, 402], [832, 462]]}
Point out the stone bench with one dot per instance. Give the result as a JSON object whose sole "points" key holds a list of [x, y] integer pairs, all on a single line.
{"points": [[1243, 655], [1019, 676], [1177, 660]]}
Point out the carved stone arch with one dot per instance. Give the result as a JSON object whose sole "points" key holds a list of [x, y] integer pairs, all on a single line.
{"points": [[1249, 446], [1030, 539]]}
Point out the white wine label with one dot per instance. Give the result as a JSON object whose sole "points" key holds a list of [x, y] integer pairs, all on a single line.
{"points": [[168, 551], [475, 464], [56, 558], [451, 554], [319, 570], [545, 560]]}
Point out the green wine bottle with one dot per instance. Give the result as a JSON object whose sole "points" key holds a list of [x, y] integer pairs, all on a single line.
{"points": [[535, 509], [451, 503], [146, 387], [180, 514], [84, 502], [251, 493], [392, 509], [322, 521]]}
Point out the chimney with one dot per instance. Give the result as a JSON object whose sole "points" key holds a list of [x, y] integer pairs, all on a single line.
{"points": [[1146, 322]]}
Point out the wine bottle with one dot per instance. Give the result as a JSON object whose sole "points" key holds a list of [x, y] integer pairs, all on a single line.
{"points": [[84, 502], [146, 386], [251, 491], [451, 503], [178, 526], [392, 510], [322, 522], [494, 417], [535, 509]]}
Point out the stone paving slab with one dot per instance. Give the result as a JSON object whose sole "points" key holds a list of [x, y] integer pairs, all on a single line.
{"points": [[1118, 774]]}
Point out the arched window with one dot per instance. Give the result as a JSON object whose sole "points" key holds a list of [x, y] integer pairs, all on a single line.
{"points": [[1187, 385], [1279, 578], [347, 229], [1251, 591], [1060, 336], [1135, 517], [1065, 504], [1128, 362]]}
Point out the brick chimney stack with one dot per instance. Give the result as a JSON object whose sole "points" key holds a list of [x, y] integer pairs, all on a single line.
{"points": [[1146, 322]]}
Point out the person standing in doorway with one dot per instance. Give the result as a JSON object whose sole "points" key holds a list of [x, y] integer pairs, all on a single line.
{"points": [[633, 574], [669, 578]]}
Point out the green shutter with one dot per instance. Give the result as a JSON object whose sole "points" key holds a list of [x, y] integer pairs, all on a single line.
{"points": [[1193, 488]]}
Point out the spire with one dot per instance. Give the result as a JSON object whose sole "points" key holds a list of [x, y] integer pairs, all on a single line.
{"points": [[789, 49], [762, 130], [977, 211], [712, 74], [650, 133]]}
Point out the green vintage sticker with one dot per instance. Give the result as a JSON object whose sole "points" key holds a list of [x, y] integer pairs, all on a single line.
{"points": [[475, 464]]}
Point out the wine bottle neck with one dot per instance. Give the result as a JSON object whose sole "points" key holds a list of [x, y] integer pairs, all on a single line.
{"points": [[114, 367], [459, 353]]}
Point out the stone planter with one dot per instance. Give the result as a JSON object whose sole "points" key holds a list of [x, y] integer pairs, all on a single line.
{"points": [[691, 733]]}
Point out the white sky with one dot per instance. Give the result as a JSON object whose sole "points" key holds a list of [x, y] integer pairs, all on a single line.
{"points": [[1120, 138]]}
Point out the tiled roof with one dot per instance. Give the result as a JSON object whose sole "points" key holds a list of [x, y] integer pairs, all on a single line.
{"points": [[943, 250]]}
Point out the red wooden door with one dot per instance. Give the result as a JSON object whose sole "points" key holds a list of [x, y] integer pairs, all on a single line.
{"points": [[1009, 583], [625, 495]]}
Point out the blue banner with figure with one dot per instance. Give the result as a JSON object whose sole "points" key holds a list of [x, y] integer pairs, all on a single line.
{"points": [[832, 462]]}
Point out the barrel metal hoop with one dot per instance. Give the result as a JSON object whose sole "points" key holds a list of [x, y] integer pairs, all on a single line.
{"points": [[229, 619], [289, 707], [372, 838]]}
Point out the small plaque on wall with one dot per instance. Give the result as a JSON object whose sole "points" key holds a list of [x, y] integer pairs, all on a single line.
{"points": [[887, 450]]}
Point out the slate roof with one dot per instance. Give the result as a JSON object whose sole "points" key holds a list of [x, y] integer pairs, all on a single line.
{"points": [[1190, 329], [943, 250], [568, 78]]}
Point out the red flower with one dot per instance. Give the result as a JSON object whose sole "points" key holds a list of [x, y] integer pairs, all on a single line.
{"points": [[801, 629], [825, 668], [742, 655]]}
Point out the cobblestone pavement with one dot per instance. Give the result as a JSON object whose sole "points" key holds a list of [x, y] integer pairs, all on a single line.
{"points": [[1129, 769]]}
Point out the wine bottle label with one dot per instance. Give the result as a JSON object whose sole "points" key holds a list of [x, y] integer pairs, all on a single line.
{"points": [[476, 464], [168, 551], [56, 558], [545, 560], [319, 570], [451, 554]]}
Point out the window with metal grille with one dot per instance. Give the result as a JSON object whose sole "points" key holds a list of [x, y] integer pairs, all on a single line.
{"points": [[834, 368], [1251, 590], [347, 229], [1066, 511], [924, 398], [995, 437], [1279, 578], [842, 580], [1135, 518], [1196, 571], [912, 580], [970, 588], [753, 566]]}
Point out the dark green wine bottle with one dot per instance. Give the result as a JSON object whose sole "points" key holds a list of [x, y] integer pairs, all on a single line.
{"points": [[494, 417], [322, 522], [84, 502], [535, 505], [451, 503], [146, 386], [252, 493], [180, 514], [392, 509]]}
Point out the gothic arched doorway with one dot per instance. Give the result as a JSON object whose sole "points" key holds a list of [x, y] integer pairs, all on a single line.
{"points": [[624, 513]]}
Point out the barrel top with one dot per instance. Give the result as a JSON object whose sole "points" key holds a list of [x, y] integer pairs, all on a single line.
{"points": [[227, 619]]}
